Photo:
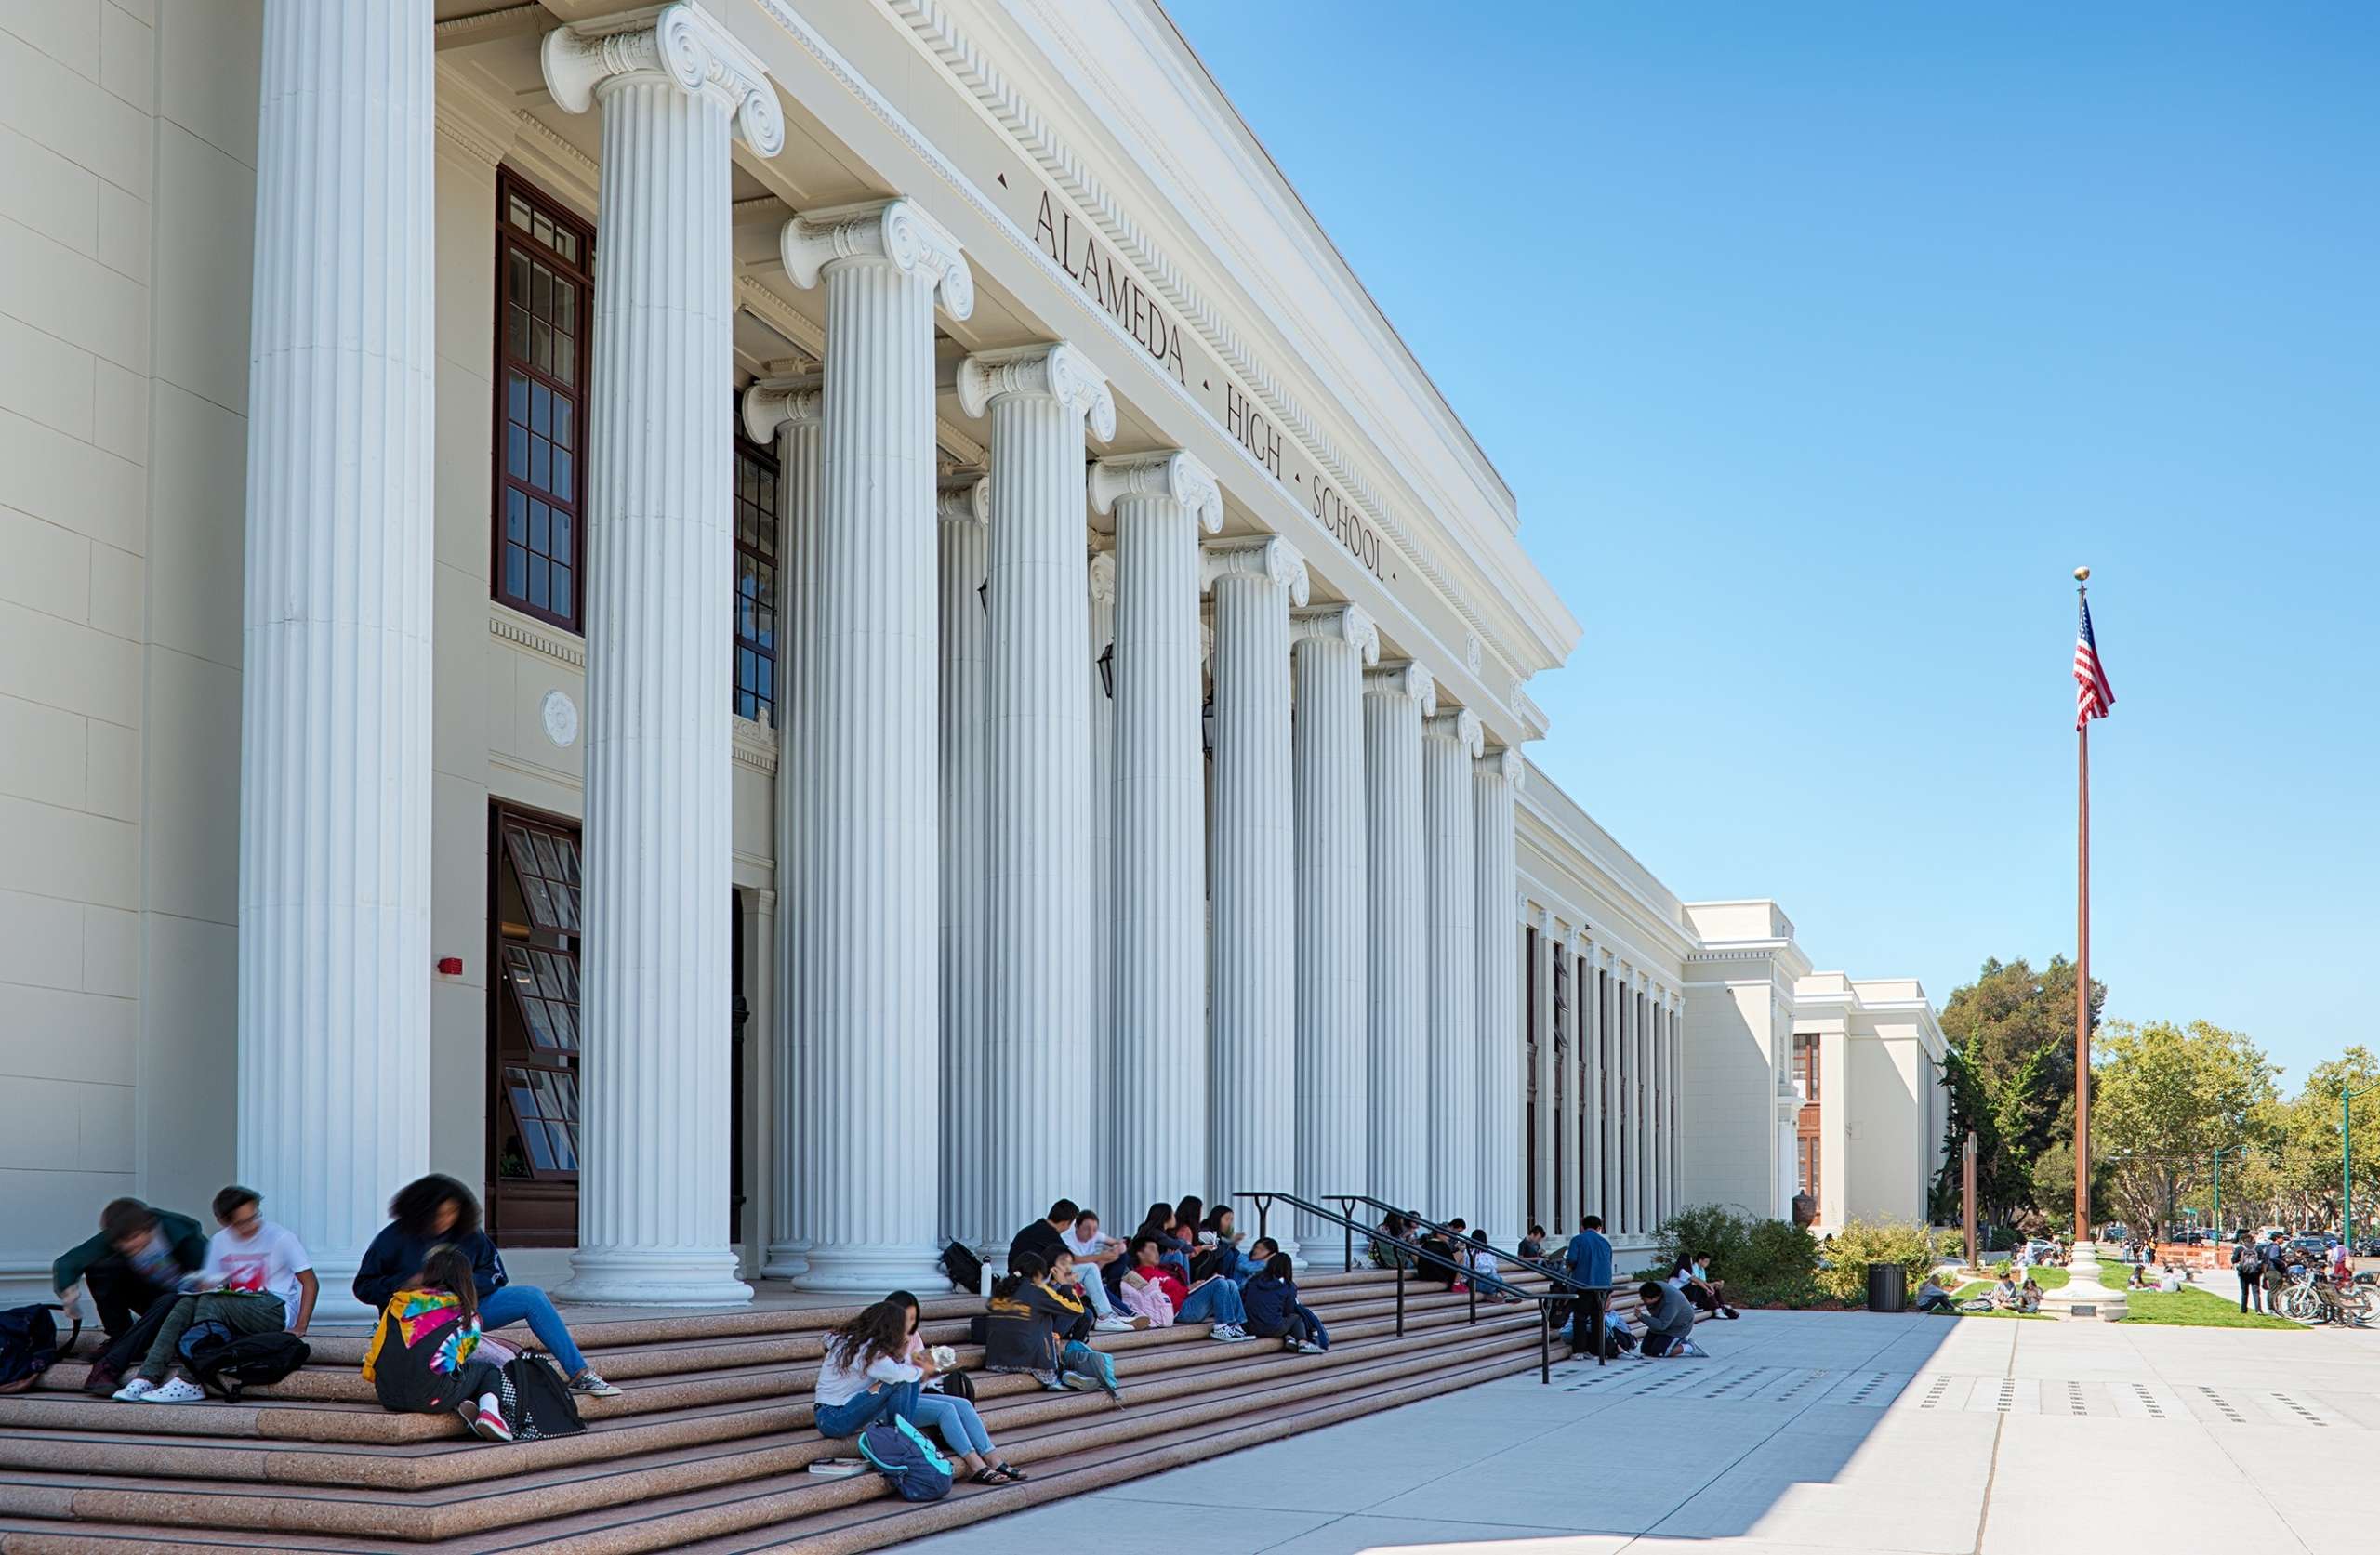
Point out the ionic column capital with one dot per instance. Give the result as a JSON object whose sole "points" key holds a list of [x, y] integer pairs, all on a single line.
{"points": [[1405, 677], [1347, 624], [965, 498], [1171, 475], [1461, 726], [771, 403], [1506, 764], [1605, 953], [1273, 558], [895, 232], [679, 42], [1103, 576], [1055, 370]]}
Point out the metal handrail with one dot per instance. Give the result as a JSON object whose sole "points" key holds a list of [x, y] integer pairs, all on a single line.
{"points": [[1543, 1299], [1452, 1237]]}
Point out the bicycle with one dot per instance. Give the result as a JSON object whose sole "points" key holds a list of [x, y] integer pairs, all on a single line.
{"points": [[2310, 1299]]}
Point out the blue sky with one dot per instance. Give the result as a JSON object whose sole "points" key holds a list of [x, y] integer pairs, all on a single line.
{"points": [[1819, 344]]}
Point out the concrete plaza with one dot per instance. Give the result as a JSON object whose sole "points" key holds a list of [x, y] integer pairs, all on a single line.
{"points": [[1810, 1431]]}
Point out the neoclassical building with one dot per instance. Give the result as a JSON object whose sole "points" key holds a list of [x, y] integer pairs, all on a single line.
{"points": [[778, 631]]}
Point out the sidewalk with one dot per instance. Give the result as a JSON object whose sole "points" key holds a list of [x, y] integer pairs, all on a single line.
{"points": [[1809, 1432]]}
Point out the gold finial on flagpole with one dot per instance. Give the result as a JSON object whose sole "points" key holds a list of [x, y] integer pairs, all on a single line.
{"points": [[2081, 574]]}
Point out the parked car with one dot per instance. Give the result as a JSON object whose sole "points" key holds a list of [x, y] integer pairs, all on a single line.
{"points": [[2369, 1247]]}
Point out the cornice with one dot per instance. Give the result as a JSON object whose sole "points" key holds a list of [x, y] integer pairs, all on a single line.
{"points": [[755, 298], [528, 632], [755, 746], [933, 27]]}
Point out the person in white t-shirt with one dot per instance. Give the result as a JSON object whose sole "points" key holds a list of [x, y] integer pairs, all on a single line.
{"points": [[257, 1279], [1092, 1253]]}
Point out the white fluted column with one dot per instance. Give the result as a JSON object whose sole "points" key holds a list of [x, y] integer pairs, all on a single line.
{"points": [[1037, 1047], [963, 510], [1099, 807], [1625, 1115], [1544, 1190], [653, 1181], [1674, 1024], [785, 411], [1330, 648], [1656, 1031], [1397, 699], [1450, 743], [1161, 503], [1639, 1010], [1582, 952], [872, 860], [333, 904], [1252, 999], [1608, 1193]]}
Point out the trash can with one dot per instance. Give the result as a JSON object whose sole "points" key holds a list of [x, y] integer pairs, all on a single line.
{"points": [[1887, 1288]]}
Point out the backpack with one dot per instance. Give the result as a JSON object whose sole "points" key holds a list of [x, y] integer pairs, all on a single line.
{"points": [[966, 1271], [542, 1399], [29, 1346], [225, 1366], [902, 1455]]}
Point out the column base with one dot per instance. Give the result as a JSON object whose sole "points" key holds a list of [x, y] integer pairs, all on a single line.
{"points": [[876, 1269], [655, 1276], [2083, 1296], [785, 1260], [335, 1300]]}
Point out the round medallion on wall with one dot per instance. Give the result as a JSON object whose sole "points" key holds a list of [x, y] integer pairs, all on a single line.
{"points": [[561, 718]]}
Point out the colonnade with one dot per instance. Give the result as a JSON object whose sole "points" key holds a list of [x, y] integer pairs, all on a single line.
{"points": [[1615, 1043], [1018, 959]]}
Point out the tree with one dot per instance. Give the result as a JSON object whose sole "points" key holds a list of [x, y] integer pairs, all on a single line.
{"points": [[2001, 1187], [2165, 1098], [2304, 1131], [2012, 1029]]}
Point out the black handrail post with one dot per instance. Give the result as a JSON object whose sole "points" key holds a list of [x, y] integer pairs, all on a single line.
{"points": [[1264, 1212], [1400, 1299], [1544, 1343], [1470, 1285]]}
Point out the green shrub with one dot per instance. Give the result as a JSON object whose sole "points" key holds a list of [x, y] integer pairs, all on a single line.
{"points": [[1949, 1246], [1779, 1252], [1861, 1243], [1705, 1227]]}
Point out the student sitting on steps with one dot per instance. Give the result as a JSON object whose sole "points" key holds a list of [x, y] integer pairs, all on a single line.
{"points": [[862, 1378], [1213, 1299], [257, 1279], [1274, 1311], [437, 1361], [436, 1210]]}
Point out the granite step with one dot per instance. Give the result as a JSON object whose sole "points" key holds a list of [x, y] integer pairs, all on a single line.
{"points": [[455, 1458], [678, 1492]]}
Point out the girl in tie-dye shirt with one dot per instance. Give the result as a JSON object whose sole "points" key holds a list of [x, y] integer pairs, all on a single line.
{"points": [[426, 1355]]}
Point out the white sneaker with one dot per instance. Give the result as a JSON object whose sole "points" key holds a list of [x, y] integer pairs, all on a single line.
{"points": [[1113, 1325], [1307, 1347], [180, 1391], [1231, 1335], [135, 1390]]}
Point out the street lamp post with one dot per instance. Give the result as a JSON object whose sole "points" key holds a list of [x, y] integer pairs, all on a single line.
{"points": [[2347, 1162]]}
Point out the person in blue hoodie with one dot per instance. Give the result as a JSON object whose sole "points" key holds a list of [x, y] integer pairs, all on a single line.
{"points": [[1587, 1265], [1274, 1313], [437, 1211]]}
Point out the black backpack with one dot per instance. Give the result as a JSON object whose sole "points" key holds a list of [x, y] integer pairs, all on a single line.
{"points": [[29, 1346], [542, 1399], [966, 1271], [224, 1367]]}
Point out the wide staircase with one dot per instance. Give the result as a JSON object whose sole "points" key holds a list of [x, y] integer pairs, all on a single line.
{"points": [[709, 1445]]}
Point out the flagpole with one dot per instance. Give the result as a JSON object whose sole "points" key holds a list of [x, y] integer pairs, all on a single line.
{"points": [[2081, 959], [2083, 1296]]}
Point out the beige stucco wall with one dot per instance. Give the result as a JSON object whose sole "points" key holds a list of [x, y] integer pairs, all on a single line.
{"points": [[1727, 1103], [127, 135]]}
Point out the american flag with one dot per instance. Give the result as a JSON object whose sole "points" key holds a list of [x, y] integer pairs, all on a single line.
{"points": [[2092, 695]]}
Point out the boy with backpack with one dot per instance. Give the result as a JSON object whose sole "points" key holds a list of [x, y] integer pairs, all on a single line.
{"points": [[258, 1279]]}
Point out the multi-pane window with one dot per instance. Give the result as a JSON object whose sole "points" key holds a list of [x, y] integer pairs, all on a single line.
{"points": [[543, 289], [1805, 1063], [537, 1046], [756, 583]]}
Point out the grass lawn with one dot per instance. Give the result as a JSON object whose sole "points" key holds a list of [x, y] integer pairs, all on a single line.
{"points": [[1977, 1289], [2196, 1309]]}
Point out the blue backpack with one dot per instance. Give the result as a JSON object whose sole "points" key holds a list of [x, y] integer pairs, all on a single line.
{"points": [[900, 1453]]}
